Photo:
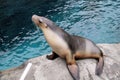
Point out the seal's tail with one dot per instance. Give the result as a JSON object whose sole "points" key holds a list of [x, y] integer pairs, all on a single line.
{"points": [[99, 67]]}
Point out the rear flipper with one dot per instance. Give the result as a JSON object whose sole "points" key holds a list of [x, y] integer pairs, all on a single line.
{"points": [[74, 71], [99, 67]]}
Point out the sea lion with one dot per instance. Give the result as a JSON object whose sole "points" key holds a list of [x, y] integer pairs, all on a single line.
{"points": [[68, 46]]}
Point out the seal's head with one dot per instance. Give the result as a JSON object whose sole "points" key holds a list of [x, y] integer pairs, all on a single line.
{"points": [[42, 22]]}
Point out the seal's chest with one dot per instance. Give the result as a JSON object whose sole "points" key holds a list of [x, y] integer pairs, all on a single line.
{"points": [[55, 41]]}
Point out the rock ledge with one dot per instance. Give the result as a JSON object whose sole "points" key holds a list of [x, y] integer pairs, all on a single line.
{"points": [[43, 69]]}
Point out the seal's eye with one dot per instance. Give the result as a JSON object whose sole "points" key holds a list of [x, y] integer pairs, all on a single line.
{"points": [[40, 20]]}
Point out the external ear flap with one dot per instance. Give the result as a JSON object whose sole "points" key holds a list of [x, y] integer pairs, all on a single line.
{"points": [[45, 24]]}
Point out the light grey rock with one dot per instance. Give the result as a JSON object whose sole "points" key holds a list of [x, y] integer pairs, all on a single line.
{"points": [[44, 69]]}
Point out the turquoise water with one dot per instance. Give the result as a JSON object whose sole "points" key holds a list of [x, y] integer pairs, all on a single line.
{"points": [[20, 40]]}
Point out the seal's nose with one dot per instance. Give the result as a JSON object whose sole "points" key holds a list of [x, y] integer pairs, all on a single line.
{"points": [[34, 17]]}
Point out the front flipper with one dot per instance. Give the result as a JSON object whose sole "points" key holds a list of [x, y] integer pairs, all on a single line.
{"points": [[74, 71], [52, 56]]}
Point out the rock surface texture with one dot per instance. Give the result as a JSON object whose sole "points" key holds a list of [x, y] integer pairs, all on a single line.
{"points": [[44, 69]]}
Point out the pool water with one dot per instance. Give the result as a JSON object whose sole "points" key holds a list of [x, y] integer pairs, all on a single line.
{"points": [[20, 40]]}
